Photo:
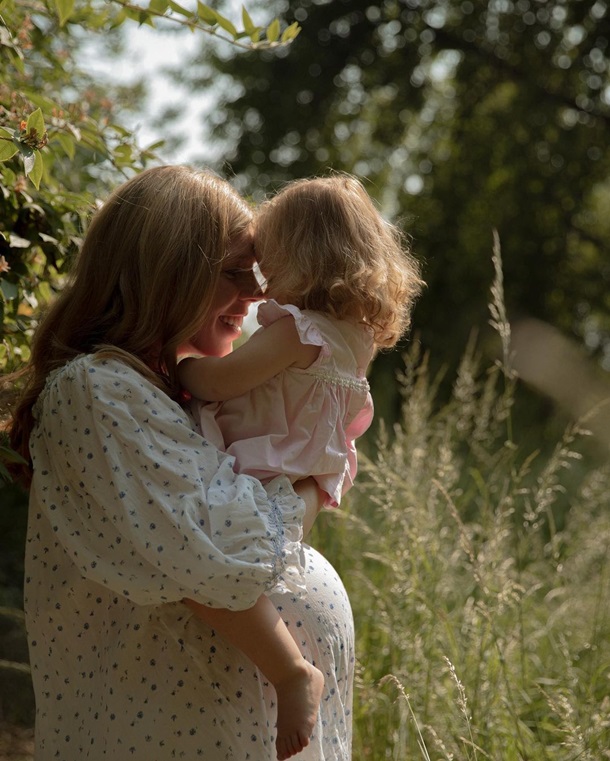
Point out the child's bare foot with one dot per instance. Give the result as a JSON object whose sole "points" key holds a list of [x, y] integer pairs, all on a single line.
{"points": [[298, 700]]}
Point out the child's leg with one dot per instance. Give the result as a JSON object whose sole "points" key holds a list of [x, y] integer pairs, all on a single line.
{"points": [[260, 633]]}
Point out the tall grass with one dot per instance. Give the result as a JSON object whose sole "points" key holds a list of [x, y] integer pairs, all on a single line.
{"points": [[479, 575]]}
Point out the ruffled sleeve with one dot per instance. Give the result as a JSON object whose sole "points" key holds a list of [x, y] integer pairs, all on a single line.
{"points": [[146, 506], [270, 311]]}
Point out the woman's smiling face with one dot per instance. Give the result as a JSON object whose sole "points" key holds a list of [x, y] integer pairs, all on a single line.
{"points": [[236, 290]]}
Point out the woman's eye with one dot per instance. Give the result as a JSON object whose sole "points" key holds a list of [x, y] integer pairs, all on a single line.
{"points": [[251, 277], [238, 272]]}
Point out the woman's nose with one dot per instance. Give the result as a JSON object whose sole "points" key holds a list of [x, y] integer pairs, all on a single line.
{"points": [[249, 287], [253, 285]]}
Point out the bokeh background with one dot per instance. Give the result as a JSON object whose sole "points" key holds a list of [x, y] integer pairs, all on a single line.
{"points": [[481, 127]]}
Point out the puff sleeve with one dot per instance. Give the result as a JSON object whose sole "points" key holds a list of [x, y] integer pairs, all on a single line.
{"points": [[148, 508]]}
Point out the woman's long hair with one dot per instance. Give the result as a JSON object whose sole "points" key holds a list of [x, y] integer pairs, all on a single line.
{"points": [[142, 283]]}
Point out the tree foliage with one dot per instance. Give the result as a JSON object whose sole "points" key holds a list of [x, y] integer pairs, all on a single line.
{"points": [[464, 117], [57, 138], [61, 143]]}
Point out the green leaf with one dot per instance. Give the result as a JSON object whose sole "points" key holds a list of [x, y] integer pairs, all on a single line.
{"points": [[226, 25], [206, 13], [145, 18], [9, 290], [179, 9], [154, 146], [158, 6], [249, 25], [273, 30], [132, 14], [36, 121], [9, 455], [8, 176], [28, 160], [35, 174], [45, 292], [291, 32], [7, 147], [252, 31], [67, 143], [123, 155], [118, 19], [65, 9]]}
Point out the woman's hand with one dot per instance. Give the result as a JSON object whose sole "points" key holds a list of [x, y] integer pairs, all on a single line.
{"points": [[314, 498]]}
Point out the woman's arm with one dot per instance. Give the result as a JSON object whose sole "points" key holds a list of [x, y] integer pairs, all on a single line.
{"points": [[263, 356], [142, 495]]}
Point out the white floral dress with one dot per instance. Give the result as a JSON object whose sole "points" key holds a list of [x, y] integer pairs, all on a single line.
{"points": [[131, 511]]}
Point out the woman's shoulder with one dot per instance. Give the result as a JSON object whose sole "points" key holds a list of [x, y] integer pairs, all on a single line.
{"points": [[94, 369], [97, 379], [67, 374]]}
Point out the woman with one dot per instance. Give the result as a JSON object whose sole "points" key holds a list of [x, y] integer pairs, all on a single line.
{"points": [[133, 511]]}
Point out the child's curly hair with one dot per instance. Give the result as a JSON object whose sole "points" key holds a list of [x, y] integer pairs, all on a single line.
{"points": [[323, 245]]}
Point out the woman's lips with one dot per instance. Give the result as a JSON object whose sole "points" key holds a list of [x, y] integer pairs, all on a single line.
{"points": [[233, 322]]}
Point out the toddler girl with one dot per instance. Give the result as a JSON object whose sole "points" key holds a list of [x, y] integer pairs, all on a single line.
{"points": [[294, 397]]}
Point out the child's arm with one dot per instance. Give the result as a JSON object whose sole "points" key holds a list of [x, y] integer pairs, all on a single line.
{"points": [[263, 356]]}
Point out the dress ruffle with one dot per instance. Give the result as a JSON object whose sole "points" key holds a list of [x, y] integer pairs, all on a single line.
{"points": [[279, 548], [270, 311]]}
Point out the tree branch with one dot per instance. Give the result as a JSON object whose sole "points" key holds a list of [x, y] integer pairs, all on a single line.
{"points": [[195, 23]]}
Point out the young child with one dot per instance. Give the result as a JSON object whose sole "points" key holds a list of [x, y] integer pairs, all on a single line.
{"points": [[294, 397]]}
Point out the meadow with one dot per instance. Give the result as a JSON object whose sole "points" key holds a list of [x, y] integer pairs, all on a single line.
{"points": [[479, 576]]}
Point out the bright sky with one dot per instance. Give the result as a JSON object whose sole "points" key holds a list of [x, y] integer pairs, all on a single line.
{"points": [[147, 52]]}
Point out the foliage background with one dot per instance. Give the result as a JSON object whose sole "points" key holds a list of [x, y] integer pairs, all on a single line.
{"points": [[480, 530], [464, 117]]}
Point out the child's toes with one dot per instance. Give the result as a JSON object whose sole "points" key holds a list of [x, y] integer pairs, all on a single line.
{"points": [[284, 748], [289, 746]]}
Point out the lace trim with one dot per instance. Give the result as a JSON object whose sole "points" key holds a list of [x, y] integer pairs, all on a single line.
{"points": [[278, 539], [287, 567], [339, 380]]}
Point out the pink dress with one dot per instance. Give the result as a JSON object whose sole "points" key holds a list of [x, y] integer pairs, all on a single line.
{"points": [[303, 422]]}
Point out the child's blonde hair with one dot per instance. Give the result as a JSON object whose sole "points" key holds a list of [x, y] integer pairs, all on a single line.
{"points": [[324, 246]]}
